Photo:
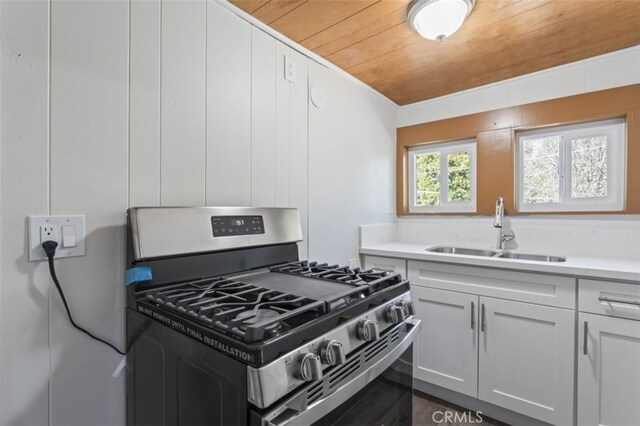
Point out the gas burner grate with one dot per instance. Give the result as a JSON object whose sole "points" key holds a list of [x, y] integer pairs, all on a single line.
{"points": [[248, 312], [376, 279]]}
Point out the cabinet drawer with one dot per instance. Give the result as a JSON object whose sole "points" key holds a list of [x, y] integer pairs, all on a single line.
{"points": [[386, 263], [609, 298], [520, 286]]}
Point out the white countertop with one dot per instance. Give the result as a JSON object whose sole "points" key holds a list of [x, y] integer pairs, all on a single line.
{"points": [[610, 268]]}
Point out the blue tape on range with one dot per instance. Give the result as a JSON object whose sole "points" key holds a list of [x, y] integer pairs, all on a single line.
{"points": [[141, 273]]}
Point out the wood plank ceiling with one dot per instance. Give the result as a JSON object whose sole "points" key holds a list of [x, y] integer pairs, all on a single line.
{"points": [[501, 39]]}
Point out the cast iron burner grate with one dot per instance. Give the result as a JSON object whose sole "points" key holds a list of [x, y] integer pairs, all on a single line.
{"points": [[376, 279], [245, 311]]}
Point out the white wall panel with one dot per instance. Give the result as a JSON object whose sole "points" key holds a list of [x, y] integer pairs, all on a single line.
{"points": [[89, 161], [24, 286], [489, 98], [228, 179], [263, 119], [299, 147], [284, 91], [182, 156], [630, 68], [573, 80], [536, 88], [144, 104], [602, 74], [351, 165]]}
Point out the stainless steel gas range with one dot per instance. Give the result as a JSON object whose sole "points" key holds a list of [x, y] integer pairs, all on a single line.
{"points": [[225, 326]]}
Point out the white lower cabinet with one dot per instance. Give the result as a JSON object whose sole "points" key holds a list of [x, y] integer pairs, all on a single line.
{"points": [[446, 351], [506, 338], [608, 371], [526, 359]]}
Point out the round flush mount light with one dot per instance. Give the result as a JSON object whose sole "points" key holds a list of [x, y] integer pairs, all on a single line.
{"points": [[438, 19]]}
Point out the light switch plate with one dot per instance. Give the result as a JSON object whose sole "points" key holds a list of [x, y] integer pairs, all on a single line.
{"points": [[44, 226]]}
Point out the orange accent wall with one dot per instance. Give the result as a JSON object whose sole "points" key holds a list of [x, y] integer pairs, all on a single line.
{"points": [[495, 133]]}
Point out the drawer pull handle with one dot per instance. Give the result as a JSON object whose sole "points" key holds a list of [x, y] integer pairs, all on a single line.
{"points": [[585, 337], [483, 319], [626, 302], [473, 315]]}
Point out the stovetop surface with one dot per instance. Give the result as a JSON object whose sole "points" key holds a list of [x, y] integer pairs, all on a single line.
{"points": [[246, 310], [312, 288], [268, 307]]}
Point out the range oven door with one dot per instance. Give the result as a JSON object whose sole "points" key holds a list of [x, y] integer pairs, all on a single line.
{"points": [[373, 387]]}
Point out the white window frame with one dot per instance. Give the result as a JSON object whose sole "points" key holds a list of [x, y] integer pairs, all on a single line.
{"points": [[615, 130], [446, 206]]}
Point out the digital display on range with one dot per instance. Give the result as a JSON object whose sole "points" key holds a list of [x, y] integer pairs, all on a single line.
{"points": [[230, 226]]}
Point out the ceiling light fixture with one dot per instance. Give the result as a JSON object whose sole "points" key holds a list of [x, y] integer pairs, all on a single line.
{"points": [[438, 19]]}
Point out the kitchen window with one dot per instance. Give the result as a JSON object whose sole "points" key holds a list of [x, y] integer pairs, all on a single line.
{"points": [[572, 168], [443, 177]]}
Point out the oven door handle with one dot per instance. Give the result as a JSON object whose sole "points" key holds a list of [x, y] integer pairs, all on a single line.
{"points": [[324, 406]]}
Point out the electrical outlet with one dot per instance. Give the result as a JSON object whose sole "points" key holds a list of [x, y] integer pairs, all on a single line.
{"points": [[49, 233], [289, 69], [67, 231]]}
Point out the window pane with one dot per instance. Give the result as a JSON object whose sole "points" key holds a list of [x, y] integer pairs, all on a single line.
{"points": [[459, 169], [589, 167], [541, 169], [428, 179]]}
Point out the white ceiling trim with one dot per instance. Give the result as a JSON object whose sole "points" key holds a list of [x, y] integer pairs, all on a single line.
{"points": [[420, 112]]}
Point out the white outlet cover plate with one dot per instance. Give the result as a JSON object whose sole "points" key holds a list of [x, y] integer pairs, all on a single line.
{"points": [[289, 69], [36, 252]]}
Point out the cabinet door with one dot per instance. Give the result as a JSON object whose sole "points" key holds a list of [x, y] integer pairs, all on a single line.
{"points": [[526, 359], [608, 371], [446, 351]]}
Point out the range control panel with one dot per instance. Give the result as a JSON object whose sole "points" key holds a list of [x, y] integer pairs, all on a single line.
{"points": [[229, 226]]}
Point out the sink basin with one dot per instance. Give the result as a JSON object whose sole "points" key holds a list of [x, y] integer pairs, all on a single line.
{"points": [[495, 254], [534, 257], [465, 251]]}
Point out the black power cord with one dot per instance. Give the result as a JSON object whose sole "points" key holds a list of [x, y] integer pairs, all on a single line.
{"points": [[50, 250]]}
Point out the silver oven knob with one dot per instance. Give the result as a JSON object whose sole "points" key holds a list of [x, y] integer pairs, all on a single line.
{"points": [[309, 367], [407, 305], [396, 314], [332, 352], [368, 330]]}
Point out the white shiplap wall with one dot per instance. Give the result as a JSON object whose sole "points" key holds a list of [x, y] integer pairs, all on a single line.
{"points": [[183, 82], [89, 175], [24, 185], [350, 177], [172, 102]]}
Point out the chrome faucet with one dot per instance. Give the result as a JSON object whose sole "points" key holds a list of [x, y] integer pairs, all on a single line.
{"points": [[498, 223]]}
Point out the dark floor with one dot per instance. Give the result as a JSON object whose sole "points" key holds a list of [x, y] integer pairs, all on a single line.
{"points": [[428, 410]]}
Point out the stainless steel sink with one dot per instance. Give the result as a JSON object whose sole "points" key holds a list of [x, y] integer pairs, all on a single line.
{"points": [[464, 251], [534, 257], [495, 254]]}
